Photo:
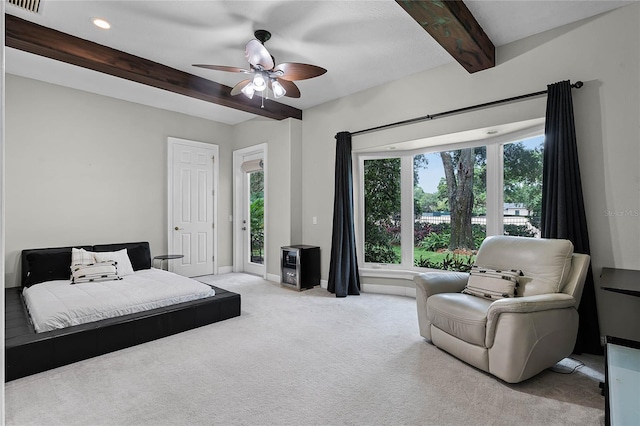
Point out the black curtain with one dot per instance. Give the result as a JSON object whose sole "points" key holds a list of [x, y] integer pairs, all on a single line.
{"points": [[563, 214], [344, 278]]}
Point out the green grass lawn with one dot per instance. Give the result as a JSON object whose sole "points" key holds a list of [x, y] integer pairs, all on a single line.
{"points": [[426, 254]]}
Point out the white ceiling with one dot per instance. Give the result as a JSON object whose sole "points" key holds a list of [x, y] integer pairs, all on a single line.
{"points": [[362, 44]]}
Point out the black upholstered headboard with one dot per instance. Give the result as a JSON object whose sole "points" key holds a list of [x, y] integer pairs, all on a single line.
{"points": [[48, 264]]}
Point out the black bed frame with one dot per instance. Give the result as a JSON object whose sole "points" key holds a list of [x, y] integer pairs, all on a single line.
{"points": [[28, 352]]}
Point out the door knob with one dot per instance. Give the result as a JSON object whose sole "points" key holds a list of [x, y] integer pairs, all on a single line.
{"points": [[244, 228], [177, 229]]}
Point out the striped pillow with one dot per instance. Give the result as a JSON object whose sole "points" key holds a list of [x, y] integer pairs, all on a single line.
{"points": [[82, 257], [491, 283], [100, 271]]}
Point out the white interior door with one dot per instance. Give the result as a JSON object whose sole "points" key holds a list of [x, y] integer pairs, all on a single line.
{"points": [[192, 218]]}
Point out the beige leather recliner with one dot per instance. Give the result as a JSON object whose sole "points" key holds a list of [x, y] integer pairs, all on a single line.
{"points": [[512, 338]]}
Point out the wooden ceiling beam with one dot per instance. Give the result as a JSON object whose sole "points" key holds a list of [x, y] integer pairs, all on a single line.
{"points": [[453, 26], [29, 37]]}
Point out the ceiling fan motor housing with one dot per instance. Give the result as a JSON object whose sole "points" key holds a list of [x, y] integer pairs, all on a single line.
{"points": [[262, 35]]}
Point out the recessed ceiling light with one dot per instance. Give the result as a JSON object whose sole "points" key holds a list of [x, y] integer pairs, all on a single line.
{"points": [[101, 23]]}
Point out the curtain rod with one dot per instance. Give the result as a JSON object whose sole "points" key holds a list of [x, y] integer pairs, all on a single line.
{"points": [[576, 85]]}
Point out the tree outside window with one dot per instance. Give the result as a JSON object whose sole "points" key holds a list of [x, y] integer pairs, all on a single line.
{"points": [[449, 203], [256, 216], [382, 210]]}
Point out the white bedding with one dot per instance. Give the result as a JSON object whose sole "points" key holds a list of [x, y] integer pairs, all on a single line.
{"points": [[59, 304]]}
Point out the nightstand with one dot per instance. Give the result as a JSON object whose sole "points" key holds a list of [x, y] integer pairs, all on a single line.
{"points": [[166, 258]]}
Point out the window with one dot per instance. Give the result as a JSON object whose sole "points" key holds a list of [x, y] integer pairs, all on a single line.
{"points": [[522, 176], [449, 206], [454, 197], [382, 219], [256, 216]]}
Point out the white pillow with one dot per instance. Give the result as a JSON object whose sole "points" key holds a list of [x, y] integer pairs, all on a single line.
{"points": [[82, 257], [100, 271], [121, 257]]}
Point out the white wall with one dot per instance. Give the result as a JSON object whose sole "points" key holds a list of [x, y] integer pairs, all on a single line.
{"points": [[87, 169], [295, 182], [607, 115]]}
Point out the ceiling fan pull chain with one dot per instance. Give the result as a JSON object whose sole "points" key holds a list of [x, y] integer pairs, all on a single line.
{"points": [[262, 97]]}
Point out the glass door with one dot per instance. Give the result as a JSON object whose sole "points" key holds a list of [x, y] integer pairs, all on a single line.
{"points": [[256, 217], [253, 218]]}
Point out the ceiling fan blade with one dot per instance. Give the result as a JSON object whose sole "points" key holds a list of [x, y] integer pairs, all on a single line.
{"points": [[222, 68], [293, 71], [237, 89], [257, 54], [290, 87]]}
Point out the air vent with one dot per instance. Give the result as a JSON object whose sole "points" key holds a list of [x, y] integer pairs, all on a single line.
{"points": [[30, 5]]}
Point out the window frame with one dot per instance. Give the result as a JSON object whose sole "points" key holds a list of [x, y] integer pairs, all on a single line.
{"points": [[494, 184]]}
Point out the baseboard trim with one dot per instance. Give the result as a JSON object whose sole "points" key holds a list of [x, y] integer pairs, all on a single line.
{"points": [[389, 289], [225, 269], [381, 289], [366, 288]]}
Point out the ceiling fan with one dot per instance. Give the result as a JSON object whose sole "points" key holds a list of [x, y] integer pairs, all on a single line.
{"points": [[265, 75]]}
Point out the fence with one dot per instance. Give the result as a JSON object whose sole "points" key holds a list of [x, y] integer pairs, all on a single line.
{"points": [[482, 220]]}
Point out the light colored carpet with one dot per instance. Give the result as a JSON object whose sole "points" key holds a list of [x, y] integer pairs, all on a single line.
{"points": [[300, 358]]}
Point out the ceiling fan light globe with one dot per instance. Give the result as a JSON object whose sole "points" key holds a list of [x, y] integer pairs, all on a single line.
{"points": [[248, 90], [278, 90], [259, 83]]}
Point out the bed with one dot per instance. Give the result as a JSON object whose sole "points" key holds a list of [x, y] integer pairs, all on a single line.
{"points": [[28, 352]]}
